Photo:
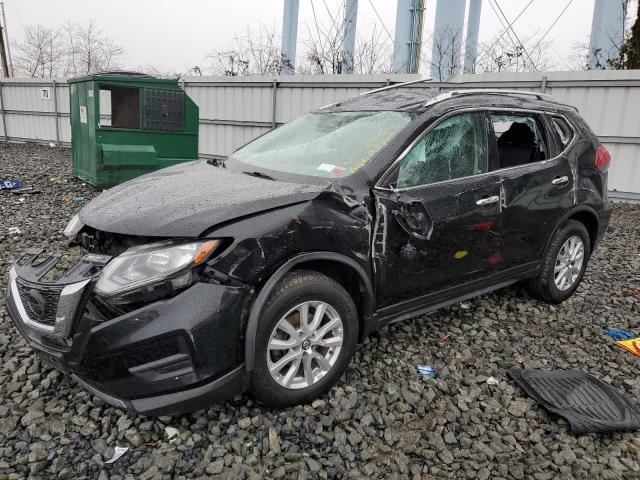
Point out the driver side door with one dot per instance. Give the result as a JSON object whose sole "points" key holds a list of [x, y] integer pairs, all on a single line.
{"points": [[438, 214]]}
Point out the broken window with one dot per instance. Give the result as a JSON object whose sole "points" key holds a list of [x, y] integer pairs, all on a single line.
{"points": [[563, 130], [119, 107], [455, 148], [324, 144], [520, 139]]}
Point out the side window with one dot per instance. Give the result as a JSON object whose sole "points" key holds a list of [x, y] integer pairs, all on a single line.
{"points": [[455, 148], [563, 130], [520, 139]]}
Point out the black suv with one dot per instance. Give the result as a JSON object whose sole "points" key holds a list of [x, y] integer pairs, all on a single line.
{"points": [[262, 272]]}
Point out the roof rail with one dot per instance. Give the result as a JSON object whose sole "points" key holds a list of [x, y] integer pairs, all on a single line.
{"points": [[497, 91], [397, 85]]}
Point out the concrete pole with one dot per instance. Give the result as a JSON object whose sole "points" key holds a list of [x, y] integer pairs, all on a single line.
{"points": [[447, 39], [289, 35], [607, 33], [408, 39], [471, 42], [349, 35]]}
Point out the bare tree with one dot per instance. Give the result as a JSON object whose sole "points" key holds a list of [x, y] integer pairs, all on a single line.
{"points": [[502, 54], [254, 52], [445, 53], [70, 50], [41, 52]]}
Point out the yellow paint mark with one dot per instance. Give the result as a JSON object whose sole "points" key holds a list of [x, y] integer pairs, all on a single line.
{"points": [[460, 254]]}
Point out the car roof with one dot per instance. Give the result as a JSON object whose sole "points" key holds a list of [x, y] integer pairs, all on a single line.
{"points": [[418, 100]]}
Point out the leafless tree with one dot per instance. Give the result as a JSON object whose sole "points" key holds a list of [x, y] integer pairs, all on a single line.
{"points": [[445, 53], [70, 50], [254, 52], [502, 54], [41, 52], [90, 51]]}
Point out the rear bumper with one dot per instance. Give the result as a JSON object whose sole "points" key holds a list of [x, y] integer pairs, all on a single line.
{"points": [[603, 222], [170, 356]]}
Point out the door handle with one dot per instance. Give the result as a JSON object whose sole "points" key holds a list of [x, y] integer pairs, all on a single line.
{"points": [[488, 200], [560, 180]]}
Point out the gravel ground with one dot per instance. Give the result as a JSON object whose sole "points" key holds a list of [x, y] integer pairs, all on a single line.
{"points": [[381, 421]]}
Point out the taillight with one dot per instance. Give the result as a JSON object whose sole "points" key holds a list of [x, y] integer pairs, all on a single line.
{"points": [[603, 158]]}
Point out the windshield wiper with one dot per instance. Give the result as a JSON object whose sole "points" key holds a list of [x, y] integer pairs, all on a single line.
{"points": [[259, 175]]}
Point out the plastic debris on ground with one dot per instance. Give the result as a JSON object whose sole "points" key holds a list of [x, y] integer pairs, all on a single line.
{"points": [[619, 334], [171, 432], [426, 371], [589, 404], [632, 345], [14, 231], [78, 200], [10, 184], [25, 190], [493, 381], [117, 453]]}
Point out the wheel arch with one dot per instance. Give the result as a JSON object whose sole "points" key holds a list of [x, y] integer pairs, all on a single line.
{"points": [[583, 214], [337, 266]]}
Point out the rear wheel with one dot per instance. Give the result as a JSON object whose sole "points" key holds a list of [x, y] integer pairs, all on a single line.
{"points": [[563, 263], [306, 337]]}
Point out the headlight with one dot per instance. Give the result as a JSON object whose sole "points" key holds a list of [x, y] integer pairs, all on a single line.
{"points": [[141, 266], [73, 227]]}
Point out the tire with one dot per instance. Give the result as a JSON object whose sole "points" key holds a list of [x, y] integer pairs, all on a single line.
{"points": [[544, 286], [293, 291]]}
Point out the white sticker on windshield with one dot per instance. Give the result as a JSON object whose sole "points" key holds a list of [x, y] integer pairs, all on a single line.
{"points": [[326, 167]]}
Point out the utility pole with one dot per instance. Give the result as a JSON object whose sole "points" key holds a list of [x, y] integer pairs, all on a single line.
{"points": [[6, 36], [3, 54], [408, 41], [289, 36], [349, 35]]}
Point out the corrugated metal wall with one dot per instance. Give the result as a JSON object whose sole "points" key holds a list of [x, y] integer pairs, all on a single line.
{"points": [[234, 110]]}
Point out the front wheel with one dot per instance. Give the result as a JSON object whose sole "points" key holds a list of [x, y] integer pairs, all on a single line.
{"points": [[563, 264], [306, 337]]}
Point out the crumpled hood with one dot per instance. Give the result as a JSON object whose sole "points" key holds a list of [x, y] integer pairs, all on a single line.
{"points": [[187, 199]]}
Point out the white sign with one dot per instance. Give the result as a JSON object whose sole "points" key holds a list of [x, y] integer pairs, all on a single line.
{"points": [[90, 93], [45, 93], [83, 114]]}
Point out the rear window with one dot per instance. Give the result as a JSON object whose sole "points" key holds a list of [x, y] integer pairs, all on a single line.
{"points": [[563, 130]]}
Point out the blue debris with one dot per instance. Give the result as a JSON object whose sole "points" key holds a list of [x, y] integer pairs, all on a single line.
{"points": [[79, 200], [619, 334], [10, 184], [426, 370]]}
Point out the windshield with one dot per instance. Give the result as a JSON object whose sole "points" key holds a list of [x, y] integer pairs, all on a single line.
{"points": [[331, 145]]}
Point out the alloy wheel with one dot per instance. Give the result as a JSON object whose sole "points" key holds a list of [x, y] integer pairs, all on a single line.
{"points": [[569, 263], [305, 344]]}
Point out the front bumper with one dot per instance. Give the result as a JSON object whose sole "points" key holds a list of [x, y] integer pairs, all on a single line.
{"points": [[170, 356]]}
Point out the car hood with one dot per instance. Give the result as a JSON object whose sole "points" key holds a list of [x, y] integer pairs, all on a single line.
{"points": [[187, 199]]}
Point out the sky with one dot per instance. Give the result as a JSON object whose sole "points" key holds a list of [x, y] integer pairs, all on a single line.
{"points": [[176, 35]]}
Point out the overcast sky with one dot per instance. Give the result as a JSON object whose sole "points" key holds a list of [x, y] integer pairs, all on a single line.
{"points": [[176, 35]]}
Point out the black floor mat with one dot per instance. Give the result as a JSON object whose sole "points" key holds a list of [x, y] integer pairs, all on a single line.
{"points": [[589, 404]]}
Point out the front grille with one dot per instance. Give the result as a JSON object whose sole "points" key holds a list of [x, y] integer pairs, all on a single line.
{"points": [[40, 302]]}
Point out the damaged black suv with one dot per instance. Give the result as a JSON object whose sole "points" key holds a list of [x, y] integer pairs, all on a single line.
{"points": [[263, 271]]}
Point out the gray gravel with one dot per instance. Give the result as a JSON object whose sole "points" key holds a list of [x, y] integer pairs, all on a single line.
{"points": [[381, 421]]}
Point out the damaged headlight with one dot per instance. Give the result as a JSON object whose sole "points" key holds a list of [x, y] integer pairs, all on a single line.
{"points": [[141, 266], [73, 227]]}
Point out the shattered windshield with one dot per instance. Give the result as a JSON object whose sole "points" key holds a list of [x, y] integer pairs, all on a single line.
{"points": [[331, 145]]}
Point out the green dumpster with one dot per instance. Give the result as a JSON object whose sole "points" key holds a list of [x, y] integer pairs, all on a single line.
{"points": [[126, 124]]}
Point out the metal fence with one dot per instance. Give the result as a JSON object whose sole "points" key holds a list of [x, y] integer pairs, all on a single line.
{"points": [[234, 110]]}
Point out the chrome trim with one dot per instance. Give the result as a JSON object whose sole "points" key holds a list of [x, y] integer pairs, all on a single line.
{"points": [[488, 200], [378, 185], [397, 85], [13, 289], [560, 180], [65, 312]]}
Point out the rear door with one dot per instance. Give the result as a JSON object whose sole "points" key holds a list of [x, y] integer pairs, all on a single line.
{"points": [[438, 213], [538, 183]]}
